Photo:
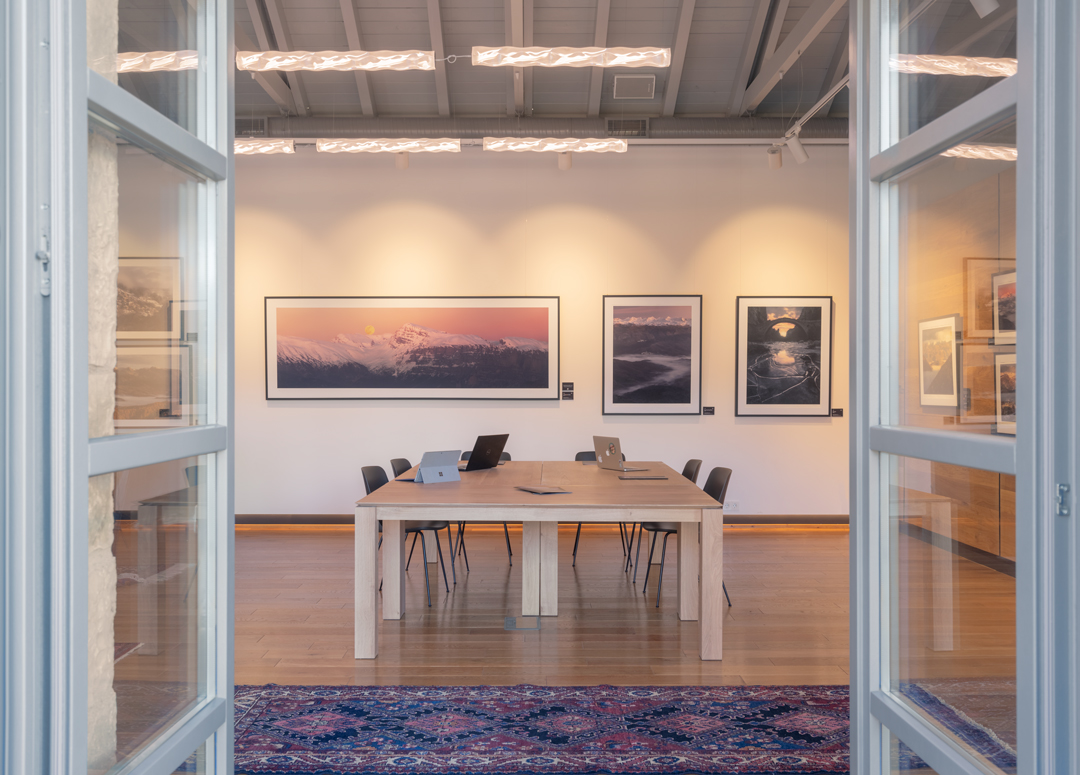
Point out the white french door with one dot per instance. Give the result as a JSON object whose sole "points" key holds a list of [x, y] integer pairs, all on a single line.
{"points": [[117, 415], [964, 205]]}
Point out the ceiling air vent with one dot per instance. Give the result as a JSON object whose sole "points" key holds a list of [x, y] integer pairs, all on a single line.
{"points": [[628, 127], [251, 127], [634, 87]]}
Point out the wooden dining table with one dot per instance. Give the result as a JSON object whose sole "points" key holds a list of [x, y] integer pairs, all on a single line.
{"points": [[594, 495]]}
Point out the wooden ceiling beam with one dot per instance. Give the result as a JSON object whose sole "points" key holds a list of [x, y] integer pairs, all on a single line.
{"points": [[600, 34], [678, 56], [749, 54], [352, 33], [442, 89]]}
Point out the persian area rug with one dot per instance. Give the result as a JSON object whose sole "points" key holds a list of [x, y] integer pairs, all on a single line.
{"points": [[536, 730]]}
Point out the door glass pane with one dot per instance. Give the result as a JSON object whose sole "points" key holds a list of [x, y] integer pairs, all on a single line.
{"points": [[154, 49], [149, 606], [194, 764], [903, 760], [148, 342], [952, 582], [941, 54], [953, 249]]}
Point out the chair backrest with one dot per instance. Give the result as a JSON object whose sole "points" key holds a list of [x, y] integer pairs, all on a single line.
{"points": [[400, 465], [692, 469], [717, 483], [589, 456], [468, 454], [374, 478]]}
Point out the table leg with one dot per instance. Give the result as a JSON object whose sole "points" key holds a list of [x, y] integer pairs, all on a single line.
{"points": [[712, 581], [147, 569], [366, 584], [393, 580], [688, 569], [549, 568], [530, 569]]}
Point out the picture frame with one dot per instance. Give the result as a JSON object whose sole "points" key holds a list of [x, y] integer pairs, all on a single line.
{"points": [[652, 355], [783, 356], [145, 292], [399, 347], [1005, 393], [978, 295], [153, 387], [1003, 286], [938, 364]]}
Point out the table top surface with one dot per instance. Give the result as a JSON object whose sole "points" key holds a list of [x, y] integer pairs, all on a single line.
{"points": [[588, 485]]}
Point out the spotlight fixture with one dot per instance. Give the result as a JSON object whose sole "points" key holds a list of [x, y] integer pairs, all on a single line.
{"points": [[795, 145], [402, 145], [776, 159], [156, 61], [289, 61], [988, 152], [260, 146], [569, 56], [932, 64], [557, 145]]}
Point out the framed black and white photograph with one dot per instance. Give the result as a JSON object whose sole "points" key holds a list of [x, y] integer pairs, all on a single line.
{"points": [[652, 355], [1004, 294], [783, 356], [1005, 393], [475, 347], [979, 295], [939, 383], [146, 289], [153, 387]]}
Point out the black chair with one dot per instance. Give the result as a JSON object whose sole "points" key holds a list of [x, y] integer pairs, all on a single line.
{"points": [[400, 465], [589, 456], [374, 478], [461, 525], [690, 471], [716, 488]]}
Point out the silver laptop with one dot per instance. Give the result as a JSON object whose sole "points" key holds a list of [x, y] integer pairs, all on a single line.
{"points": [[439, 467], [609, 454]]}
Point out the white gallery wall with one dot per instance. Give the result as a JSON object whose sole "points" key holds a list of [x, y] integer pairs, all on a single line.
{"points": [[709, 220]]}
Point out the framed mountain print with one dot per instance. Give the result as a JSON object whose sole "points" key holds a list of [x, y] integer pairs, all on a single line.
{"points": [[652, 355], [146, 289], [783, 356], [1004, 295], [1005, 393], [502, 347], [939, 372]]}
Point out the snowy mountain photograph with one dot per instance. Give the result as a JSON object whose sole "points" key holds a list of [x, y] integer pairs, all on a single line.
{"points": [[366, 348], [145, 291]]}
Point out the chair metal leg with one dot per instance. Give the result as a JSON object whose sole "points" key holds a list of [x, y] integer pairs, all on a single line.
{"points": [[427, 581], [652, 548], [442, 564], [577, 538], [724, 586], [637, 554], [622, 537], [461, 544], [629, 546], [660, 580], [509, 552], [449, 548], [411, 548]]}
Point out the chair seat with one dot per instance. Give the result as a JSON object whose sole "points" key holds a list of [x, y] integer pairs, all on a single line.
{"points": [[426, 525], [660, 527]]}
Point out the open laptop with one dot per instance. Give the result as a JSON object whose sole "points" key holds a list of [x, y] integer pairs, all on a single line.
{"points": [[609, 454], [486, 452], [437, 467]]}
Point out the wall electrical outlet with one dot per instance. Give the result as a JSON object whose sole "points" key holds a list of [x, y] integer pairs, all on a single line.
{"points": [[731, 507]]}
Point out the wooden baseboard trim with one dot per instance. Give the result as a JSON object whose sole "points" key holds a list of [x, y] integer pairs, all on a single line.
{"points": [[729, 519]]}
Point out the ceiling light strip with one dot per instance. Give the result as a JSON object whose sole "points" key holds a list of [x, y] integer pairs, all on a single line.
{"points": [[402, 145], [343, 61], [258, 147], [568, 56], [933, 64], [988, 152], [555, 144], [156, 61]]}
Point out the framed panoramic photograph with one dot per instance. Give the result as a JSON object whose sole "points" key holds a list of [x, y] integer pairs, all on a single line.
{"points": [[652, 355], [783, 356], [153, 387], [939, 382], [1004, 290], [474, 347], [979, 295], [1005, 393], [145, 291]]}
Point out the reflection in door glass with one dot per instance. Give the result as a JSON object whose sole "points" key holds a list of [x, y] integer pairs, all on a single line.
{"points": [[952, 535], [902, 760]]}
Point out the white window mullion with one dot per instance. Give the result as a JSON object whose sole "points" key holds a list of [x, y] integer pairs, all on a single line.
{"points": [[109, 454], [989, 453]]}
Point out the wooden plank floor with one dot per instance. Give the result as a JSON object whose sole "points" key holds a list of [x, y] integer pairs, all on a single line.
{"points": [[788, 624]]}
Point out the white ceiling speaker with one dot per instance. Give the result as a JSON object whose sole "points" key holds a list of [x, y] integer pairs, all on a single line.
{"points": [[634, 87], [776, 160]]}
